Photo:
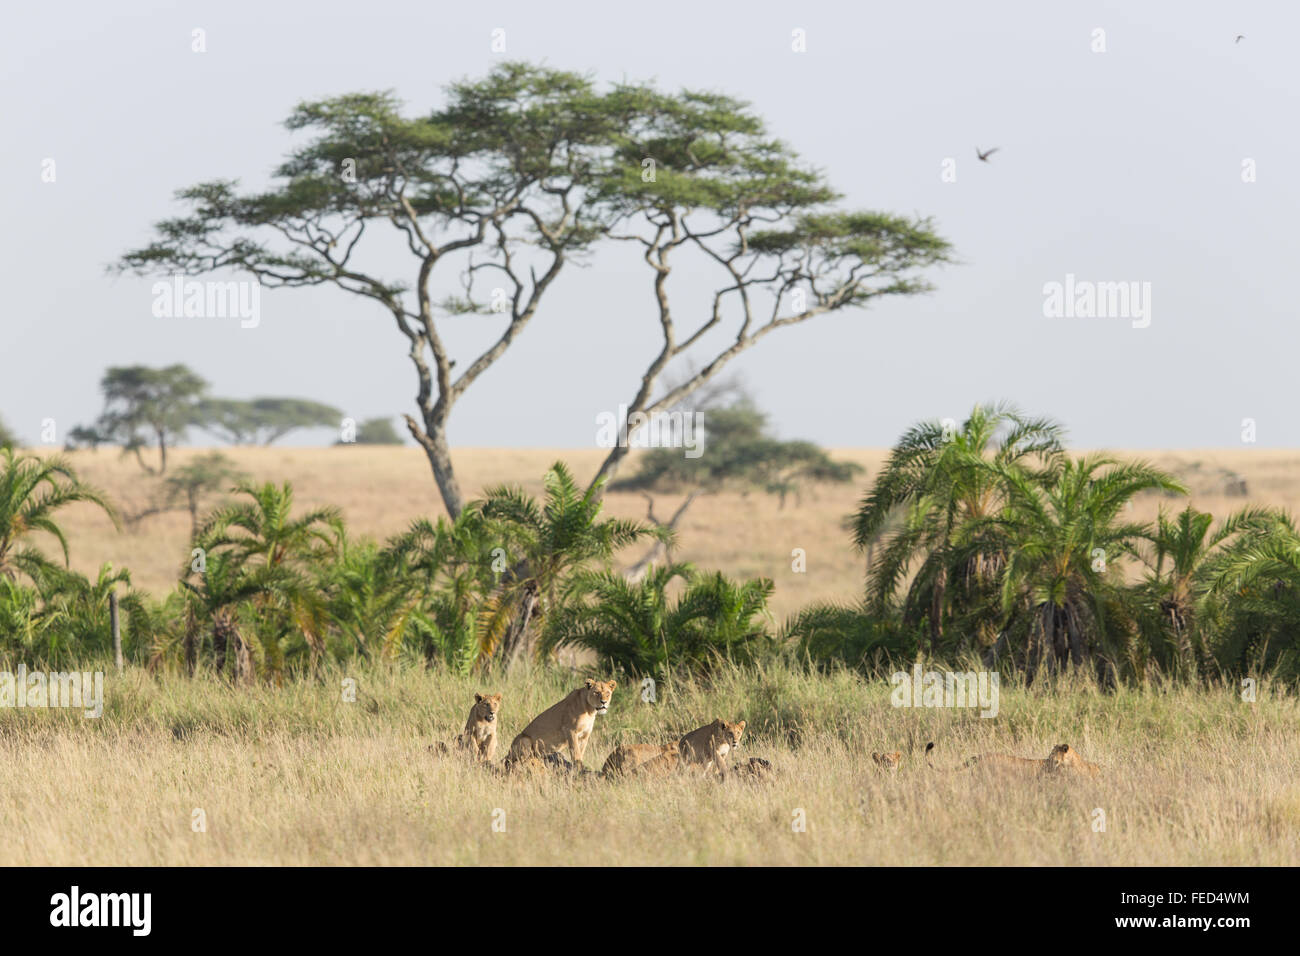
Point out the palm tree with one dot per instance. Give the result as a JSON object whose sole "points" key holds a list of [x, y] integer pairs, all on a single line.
{"points": [[634, 626], [215, 595], [1063, 586], [446, 571], [936, 482], [1185, 554], [32, 489], [1251, 599], [549, 541], [265, 545]]}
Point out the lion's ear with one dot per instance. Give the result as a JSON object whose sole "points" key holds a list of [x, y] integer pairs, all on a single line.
{"points": [[497, 698], [590, 682], [478, 698], [613, 684], [741, 725]]}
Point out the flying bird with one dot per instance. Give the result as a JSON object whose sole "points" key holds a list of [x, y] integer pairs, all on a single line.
{"points": [[1240, 37], [984, 156]]}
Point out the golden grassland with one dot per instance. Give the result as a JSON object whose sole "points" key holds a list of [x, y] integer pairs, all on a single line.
{"points": [[381, 489], [296, 775]]}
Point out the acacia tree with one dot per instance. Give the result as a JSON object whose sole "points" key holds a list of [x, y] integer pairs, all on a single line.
{"points": [[144, 405], [697, 175], [490, 192], [516, 176], [262, 420]]}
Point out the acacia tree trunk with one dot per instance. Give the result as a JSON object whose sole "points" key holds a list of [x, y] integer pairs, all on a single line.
{"points": [[433, 439]]}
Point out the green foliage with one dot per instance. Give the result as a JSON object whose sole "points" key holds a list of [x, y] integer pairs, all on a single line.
{"points": [[7, 438], [32, 490], [828, 635], [636, 628]]}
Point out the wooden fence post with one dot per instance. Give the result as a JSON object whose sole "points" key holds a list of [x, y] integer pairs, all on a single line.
{"points": [[116, 625]]}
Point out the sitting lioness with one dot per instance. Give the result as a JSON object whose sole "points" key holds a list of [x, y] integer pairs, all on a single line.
{"points": [[626, 758], [710, 745], [566, 724], [1063, 758]]}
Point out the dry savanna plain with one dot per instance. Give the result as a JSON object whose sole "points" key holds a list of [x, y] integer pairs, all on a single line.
{"points": [[193, 772]]}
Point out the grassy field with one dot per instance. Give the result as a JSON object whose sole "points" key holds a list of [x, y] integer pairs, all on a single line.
{"points": [[298, 776], [380, 490]]}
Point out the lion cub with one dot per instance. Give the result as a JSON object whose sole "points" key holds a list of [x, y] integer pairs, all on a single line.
{"points": [[479, 737], [566, 724], [480, 734], [627, 758], [887, 762], [710, 745]]}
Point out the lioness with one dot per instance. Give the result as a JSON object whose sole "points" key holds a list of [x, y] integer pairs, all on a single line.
{"points": [[480, 734], [566, 724], [710, 745], [626, 758], [887, 761], [1062, 758]]}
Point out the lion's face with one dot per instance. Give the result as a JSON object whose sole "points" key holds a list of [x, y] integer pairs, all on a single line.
{"points": [[731, 733], [1064, 756], [598, 694], [485, 708]]}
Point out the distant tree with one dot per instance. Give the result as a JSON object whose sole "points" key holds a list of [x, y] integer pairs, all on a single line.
{"points": [[738, 454], [7, 438], [142, 406], [375, 431], [262, 420], [206, 475]]}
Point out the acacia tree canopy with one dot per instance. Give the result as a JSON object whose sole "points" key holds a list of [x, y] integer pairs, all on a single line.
{"points": [[520, 173]]}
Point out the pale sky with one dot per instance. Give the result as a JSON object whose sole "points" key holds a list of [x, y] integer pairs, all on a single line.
{"points": [[1123, 165]]}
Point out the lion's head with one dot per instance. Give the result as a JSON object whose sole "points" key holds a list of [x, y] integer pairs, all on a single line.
{"points": [[730, 734], [486, 707], [598, 694], [1065, 757]]}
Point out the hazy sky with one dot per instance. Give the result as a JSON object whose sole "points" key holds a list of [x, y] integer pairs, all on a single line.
{"points": [[1125, 165]]}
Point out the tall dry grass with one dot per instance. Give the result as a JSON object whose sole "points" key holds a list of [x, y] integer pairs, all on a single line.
{"points": [[296, 775]]}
